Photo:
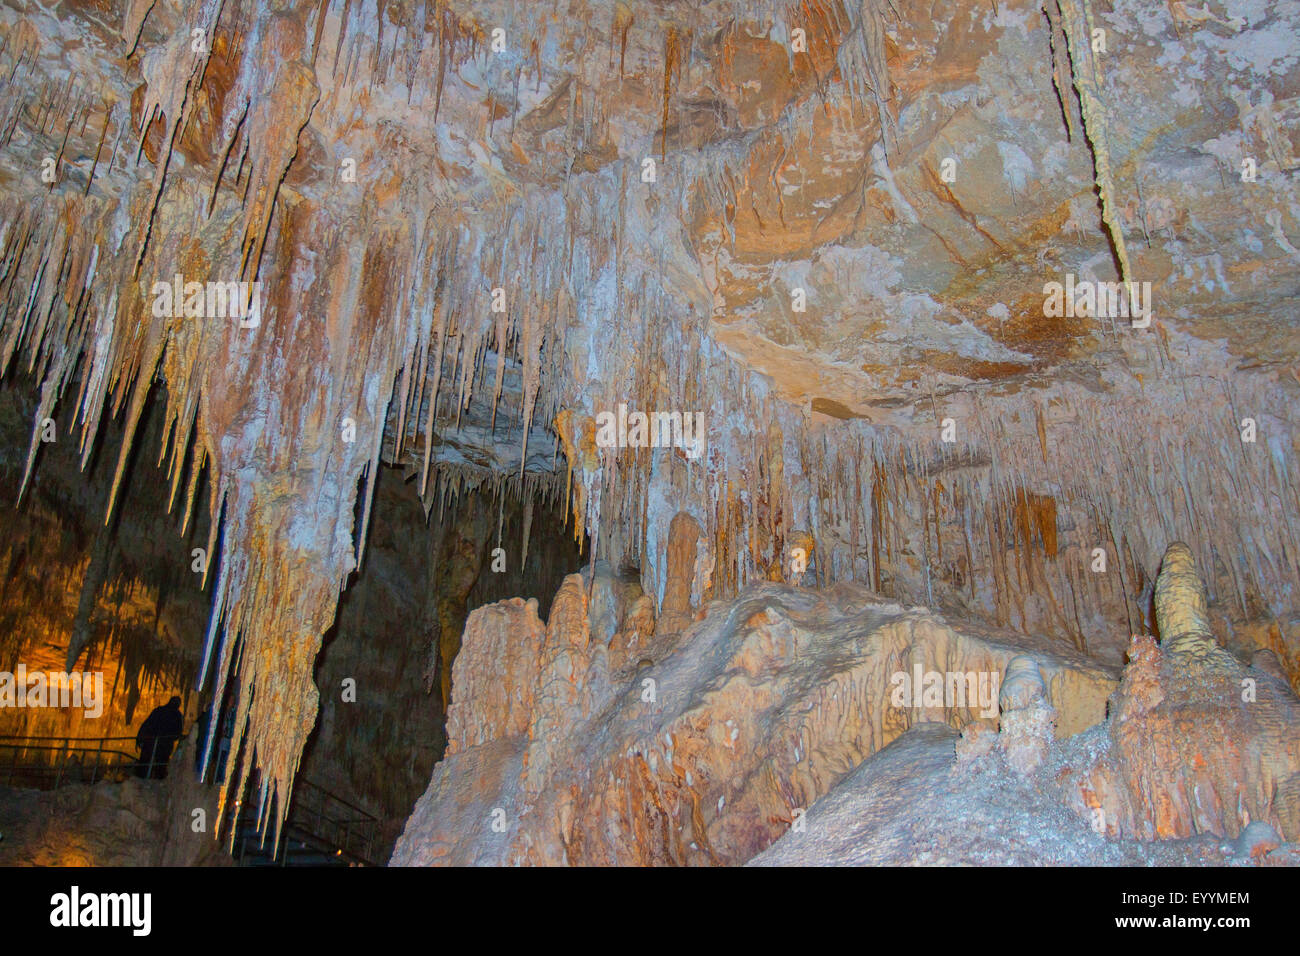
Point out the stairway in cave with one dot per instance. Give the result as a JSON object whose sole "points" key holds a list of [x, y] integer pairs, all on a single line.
{"points": [[299, 846], [321, 829]]}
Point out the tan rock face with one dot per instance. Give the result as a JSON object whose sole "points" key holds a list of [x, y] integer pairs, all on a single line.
{"points": [[711, 744], [497, 674], [115, 824], [1197, 742], [1195, 746], [127, 823]]}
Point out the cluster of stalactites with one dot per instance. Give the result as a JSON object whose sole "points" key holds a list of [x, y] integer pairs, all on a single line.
{"points": [[586, 326], [1045, 526]]}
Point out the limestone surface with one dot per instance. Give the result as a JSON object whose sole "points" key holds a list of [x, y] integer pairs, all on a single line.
{"points": [[699, 747], [797, 726]]}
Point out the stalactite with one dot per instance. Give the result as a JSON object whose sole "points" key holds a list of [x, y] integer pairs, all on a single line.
{"points": [[1074, 19]]}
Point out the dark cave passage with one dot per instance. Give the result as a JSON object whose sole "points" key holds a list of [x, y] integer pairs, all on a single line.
{"points": [[399, 626], [384, 669]]}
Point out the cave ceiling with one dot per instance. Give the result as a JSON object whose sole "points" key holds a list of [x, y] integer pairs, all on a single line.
{"points": [[828, 226]]}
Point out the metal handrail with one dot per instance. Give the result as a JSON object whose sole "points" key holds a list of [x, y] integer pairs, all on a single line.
{"points": [[353, 833], [64, 761], [316, 815], [361, 814]]}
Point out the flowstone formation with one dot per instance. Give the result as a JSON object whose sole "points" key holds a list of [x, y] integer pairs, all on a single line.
{"points": [[1198, 741], [801, 727], [872, 246], [574, 743], [1196, 763]]}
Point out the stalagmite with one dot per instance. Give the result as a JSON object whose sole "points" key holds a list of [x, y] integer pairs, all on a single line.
{"points": [[1180, 605]]}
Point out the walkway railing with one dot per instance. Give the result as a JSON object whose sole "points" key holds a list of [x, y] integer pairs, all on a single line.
{"points": [[44, 763], [321, 827]]}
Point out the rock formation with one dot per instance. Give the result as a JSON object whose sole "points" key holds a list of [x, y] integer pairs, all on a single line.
{"points": [[793, 726], [702, 746], [975, 306], [1197, 741]]}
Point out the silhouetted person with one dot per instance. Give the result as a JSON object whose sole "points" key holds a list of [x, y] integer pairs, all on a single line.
{"points": [[156, 738]]}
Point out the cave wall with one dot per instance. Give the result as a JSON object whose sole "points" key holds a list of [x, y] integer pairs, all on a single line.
{"points": [[123, 596]]}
